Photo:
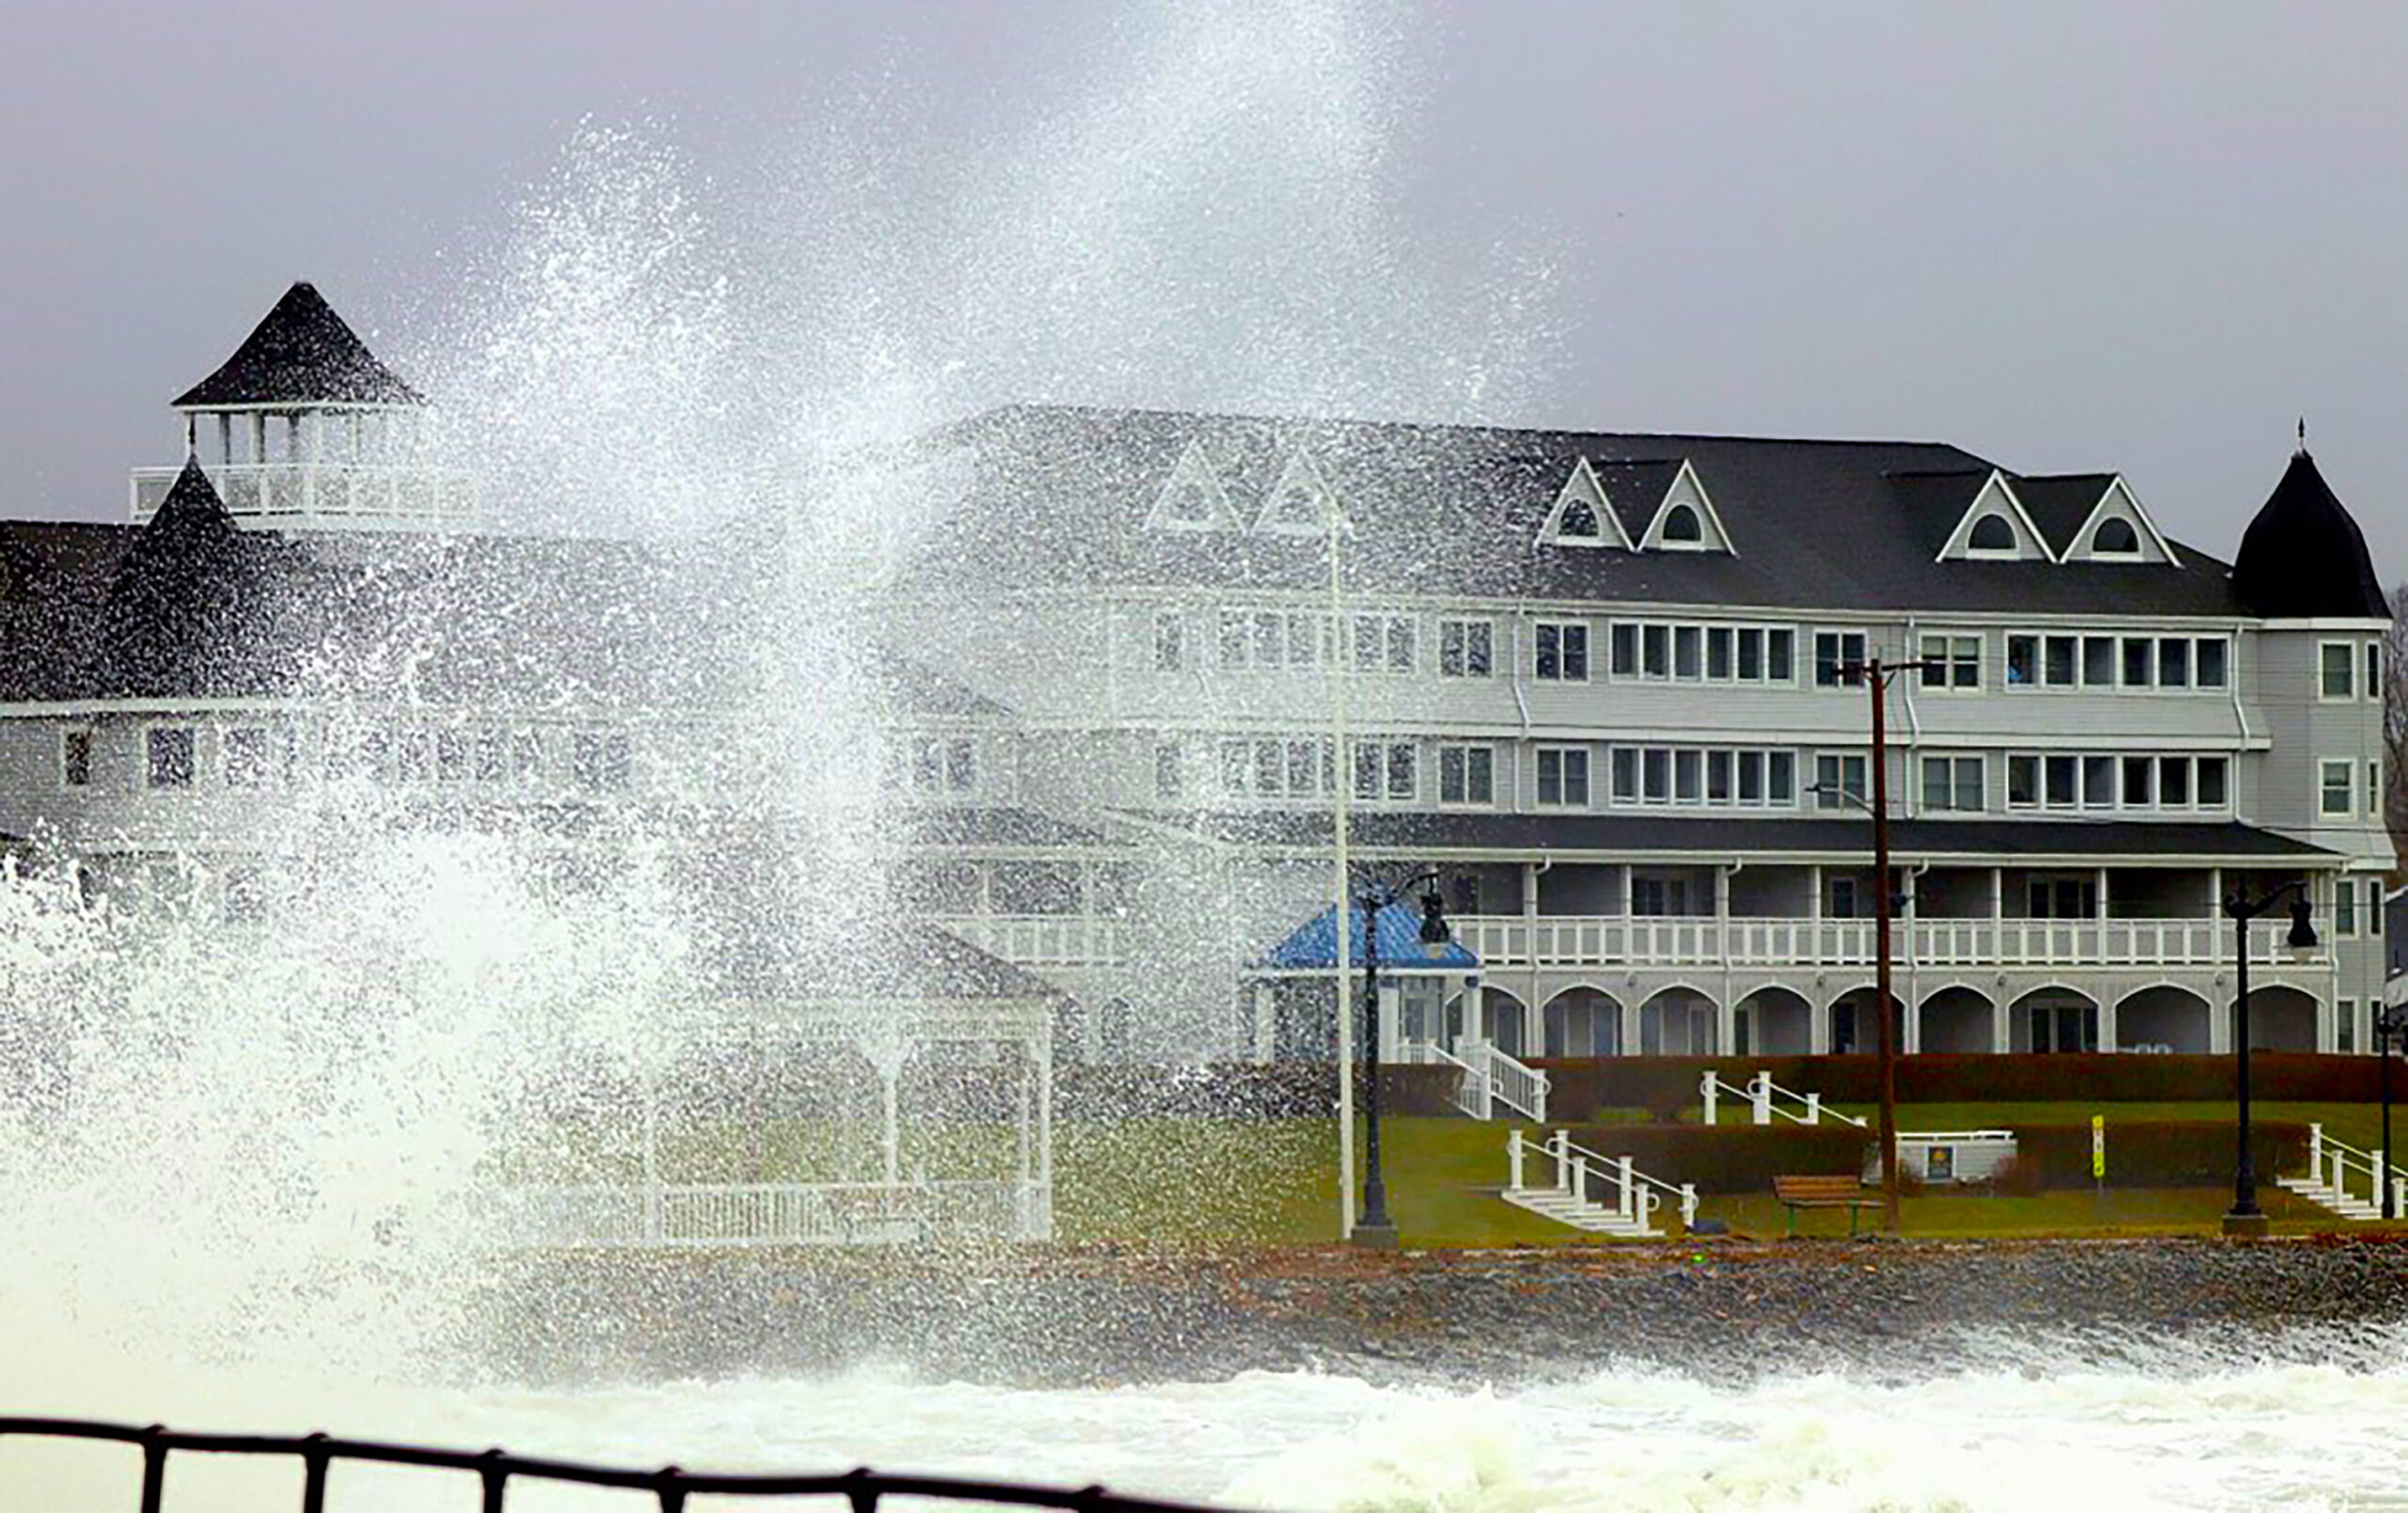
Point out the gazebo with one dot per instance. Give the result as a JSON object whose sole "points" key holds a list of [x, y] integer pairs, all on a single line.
{"points": [[1414, 985]]}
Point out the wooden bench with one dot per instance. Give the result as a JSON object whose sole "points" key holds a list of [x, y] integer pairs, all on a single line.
{"points": [[1797, 1192]]}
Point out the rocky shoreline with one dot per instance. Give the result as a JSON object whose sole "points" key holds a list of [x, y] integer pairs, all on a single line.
{"points": [[1893, 1309]]}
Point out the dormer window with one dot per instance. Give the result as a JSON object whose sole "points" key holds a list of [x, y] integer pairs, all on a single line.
{"points": [[2115, 538], [1991, 533], [1681, 527], [1578, 521], [1188, 504]]}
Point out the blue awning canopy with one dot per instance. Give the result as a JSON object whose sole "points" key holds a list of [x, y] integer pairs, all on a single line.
{"points": [[1313, 947]]}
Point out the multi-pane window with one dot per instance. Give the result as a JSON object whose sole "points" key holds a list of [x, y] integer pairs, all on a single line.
{"points": [[1170, 770], [451, 756], [1384, 643], [2374, 670], [599, 759], [1835, 653], [1386, 771], [2337, 661], [2060, 782], [76, 759], [1952, 783], [2338, 792], [1563, 777], [1466, 648], [2345, 907], [1717, 777], [1236, 637], [2209, 782], [2374, 907], [1561, 651], [2131, 782], [1170, 642], [2099, 783], [932, 764], [2098, 661], [168, 750], [1262, 768], [250, 756], [2035, 660], [1839, 779], [1952, 662], [1466, 775], [1708, 654]]}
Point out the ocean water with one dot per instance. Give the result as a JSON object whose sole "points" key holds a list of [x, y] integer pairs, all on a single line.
{"points": [[2023, 1423]]}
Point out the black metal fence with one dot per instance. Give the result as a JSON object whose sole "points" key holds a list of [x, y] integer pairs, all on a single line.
{"points": [[496, 1470]]}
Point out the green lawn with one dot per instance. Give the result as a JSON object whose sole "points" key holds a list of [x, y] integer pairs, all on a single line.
{"points": [[1196, 1181]]}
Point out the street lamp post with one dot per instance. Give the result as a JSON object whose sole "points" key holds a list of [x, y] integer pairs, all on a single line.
{"points": [[2390, 1023], [2245, 1218], [1374, 1229]]}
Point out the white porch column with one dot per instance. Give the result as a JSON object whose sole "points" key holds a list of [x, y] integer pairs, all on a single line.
{"points": [[1265, 1022], [1392, 1016], [1021, 1122], [2220, 999], [1045, 1111], [2108, 1035], [2002, 1032], [1818, 1025], [1630, 1035], [1475, 1009]]}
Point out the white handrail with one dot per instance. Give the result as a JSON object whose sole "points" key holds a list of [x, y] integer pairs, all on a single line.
{"points": [[1472, 1091], [1634, 1201], [1760, 1092], [1514, 1083], [2346, 1159]]}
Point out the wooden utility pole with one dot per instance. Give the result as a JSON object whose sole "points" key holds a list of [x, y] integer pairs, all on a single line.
{"points": [[1878, 682]]}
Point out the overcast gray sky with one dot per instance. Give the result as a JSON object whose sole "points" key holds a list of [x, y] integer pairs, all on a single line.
{"points": [[2133, 237]]}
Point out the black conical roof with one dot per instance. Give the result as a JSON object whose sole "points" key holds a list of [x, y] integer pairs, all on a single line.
{"points": [[179, 615], [2304, 558], [301, 354]]}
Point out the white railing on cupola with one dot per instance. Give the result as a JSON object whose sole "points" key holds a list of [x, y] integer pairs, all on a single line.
{"points": [[331, 495], [1761, 1095], [1490, 1077]]}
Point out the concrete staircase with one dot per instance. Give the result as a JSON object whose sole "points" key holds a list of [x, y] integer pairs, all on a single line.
{"points": [[2355, 1209], [1582, 1177]]}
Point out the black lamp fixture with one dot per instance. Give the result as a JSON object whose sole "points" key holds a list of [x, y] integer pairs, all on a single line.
{"points": [[1375, 1229]]}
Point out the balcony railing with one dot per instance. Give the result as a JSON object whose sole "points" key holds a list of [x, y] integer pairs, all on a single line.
{"points": [[1578, 940], [1040, 939], [362, 495]]}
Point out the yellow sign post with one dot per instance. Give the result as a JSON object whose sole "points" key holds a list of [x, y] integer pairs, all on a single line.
{"points": [[2098, 1155]]}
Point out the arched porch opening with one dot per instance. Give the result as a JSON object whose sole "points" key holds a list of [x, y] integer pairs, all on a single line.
{"points": [[1677, 1021], [1583, 1021], [1854, 1031], [2053, 1019], [2164, 1018], [1956, 1021], [1772, 1021], [2281, 1019], [1508, 1022]]}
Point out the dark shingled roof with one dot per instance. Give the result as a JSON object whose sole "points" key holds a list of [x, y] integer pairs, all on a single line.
{"points": [[2059, 503], [1910, 840], [2304, 558], [188, 605], [301, 354], [1059, 497]]}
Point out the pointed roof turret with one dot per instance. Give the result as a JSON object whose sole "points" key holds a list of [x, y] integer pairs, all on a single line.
{"points": [[2303, 557], [182, 604], [302, 354]]}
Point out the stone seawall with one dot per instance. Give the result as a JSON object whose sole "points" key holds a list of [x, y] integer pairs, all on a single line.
{"points": [[1889, 1309]]}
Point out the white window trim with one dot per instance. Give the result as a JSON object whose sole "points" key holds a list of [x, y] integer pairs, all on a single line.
{"points": [[1587, 648], [191, 728], [2032, 543], [1300, 474], [1955, 761], [1194, 467], [1466, 622], [2353, 656], [1711, 536], [1948, 686], [1439, 788], [1583, 485], [91, 759], [2079, 548], [2349, 768], [1814, 657], [1588, 775]]}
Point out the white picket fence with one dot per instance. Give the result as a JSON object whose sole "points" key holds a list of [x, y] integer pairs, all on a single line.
{"points": [[1490, 1077], [1605, 1195], [1761, 1095]]}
